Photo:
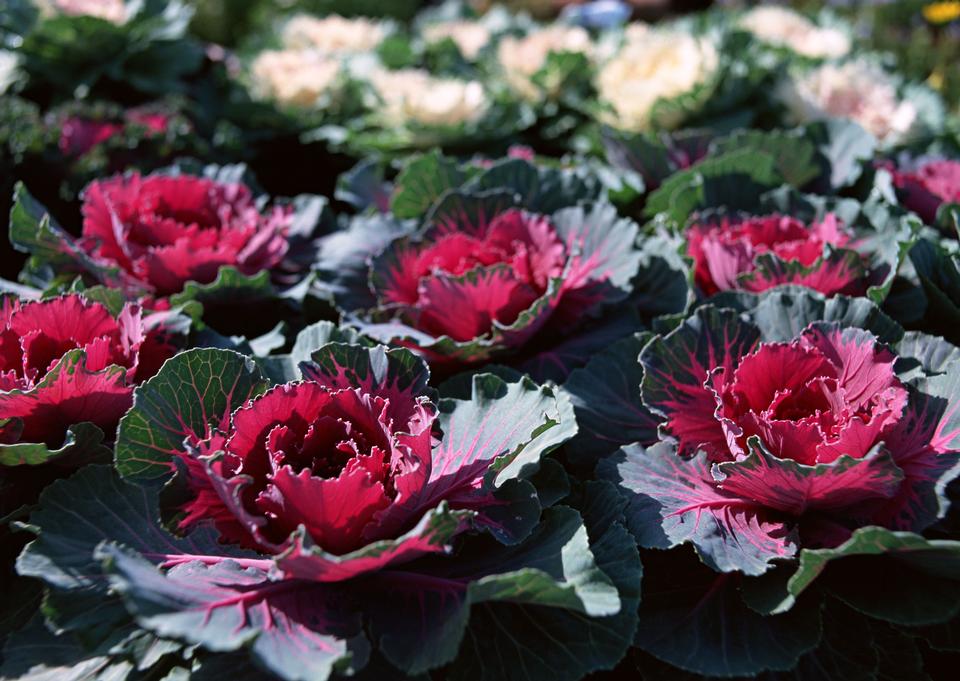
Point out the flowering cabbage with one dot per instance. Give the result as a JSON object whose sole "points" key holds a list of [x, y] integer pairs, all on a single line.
{"points": [[78, 135], [470, 36], [781, 435], [485, 280], [67, 372], [926, 184], [859, 90], [782, 27], [164, 231], [521, 59], [171, 234], [98, 44], [655, 78], [740, 237], [755, 253], [338, 501]]}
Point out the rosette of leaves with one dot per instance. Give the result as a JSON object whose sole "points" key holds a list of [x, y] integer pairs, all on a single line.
{"points": [[775, 52], [604, 276], [442, 54], [737, 96], [804, 450], [910, 112], [261, 110], [453, 552], [729, 97], [97, 139], [262, 264], [68, 367], [862, 256], [559, 96], [149, 52], [502, 120], [926, 181]]}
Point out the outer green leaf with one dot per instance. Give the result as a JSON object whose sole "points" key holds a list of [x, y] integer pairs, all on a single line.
{"points": [[286, 367], [514, 423], [919, 578], [193, 394], [297, 631], [694, 619], [229, 286], [33, 231], [552, 568], [514, 641], [842, 146], [606, 398], [541, 189], [920, 354], [794, 154], [738, 177], [36, 654], [113, 510], [939, 271], [422, 181], [83, 440]]}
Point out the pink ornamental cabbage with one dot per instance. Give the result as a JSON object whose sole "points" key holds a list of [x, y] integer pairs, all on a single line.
{"points": [[775, 446], [755, 253], [66, 361], [927, 185], [487, 284], [163, 231], [352, 469], [79, 135]]}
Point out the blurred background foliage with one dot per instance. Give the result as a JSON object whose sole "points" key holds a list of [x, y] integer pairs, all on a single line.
{"points": [[923, 36]]}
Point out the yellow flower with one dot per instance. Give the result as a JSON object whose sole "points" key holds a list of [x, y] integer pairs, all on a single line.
{"points": [[941, 12]]}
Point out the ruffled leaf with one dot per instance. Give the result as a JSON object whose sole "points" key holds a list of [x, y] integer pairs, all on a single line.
{"points": [[395, 374], [298, 632], [433, 534], [676, 367], [794, 488], [671, 501], [69, 394]]}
